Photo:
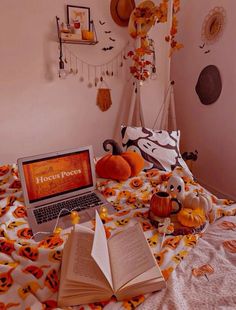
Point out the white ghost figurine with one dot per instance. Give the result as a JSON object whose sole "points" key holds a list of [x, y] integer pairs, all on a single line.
{"points": [[176, 187]]}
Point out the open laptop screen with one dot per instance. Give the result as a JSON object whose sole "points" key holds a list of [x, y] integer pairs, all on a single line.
{"points": [[54, 176]]}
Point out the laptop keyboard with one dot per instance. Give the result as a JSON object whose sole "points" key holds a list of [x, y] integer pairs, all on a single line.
{"points": [[52, 211]]}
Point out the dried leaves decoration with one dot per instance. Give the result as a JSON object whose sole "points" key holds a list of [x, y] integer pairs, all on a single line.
{"points": [[203, 271], [230, 245], [140, 68], [175, 46], [227, 225]]}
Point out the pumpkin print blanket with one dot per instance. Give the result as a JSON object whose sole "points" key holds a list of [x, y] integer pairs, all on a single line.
{"points": [[30, 270]]}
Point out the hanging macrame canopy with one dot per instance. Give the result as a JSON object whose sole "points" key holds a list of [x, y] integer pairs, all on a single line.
{"points": [[141, 21]]}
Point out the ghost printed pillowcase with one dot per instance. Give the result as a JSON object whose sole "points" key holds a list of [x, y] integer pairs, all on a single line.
{"points": [[159, 148]]}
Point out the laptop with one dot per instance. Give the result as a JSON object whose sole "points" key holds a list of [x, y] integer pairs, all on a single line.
{"points": [[57, 183]]}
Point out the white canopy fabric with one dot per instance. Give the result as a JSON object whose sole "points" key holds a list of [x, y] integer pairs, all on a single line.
{"points": [[166, 116]]}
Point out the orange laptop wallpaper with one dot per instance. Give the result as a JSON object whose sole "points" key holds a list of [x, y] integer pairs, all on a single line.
{"points": [[58, 175]]}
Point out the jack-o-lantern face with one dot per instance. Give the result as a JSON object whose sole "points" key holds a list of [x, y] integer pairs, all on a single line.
{"points": [[190, 240], [124, 194], [172, 242], [146, 226], [153, 240], [10, 264], [160, 257], [20, 212], [136, 183], [108, 192], [154, 183], [131, 199], [52, 281], [118, 207], [25, 233], [4, 170], [122, 222], [7, 246], [6, 281], [29, 252], [179, 256], [122, 213], [29, 288], [15, 224], [141, 214], [152, 173], [36, 271], [55, 256], [51, 242]]}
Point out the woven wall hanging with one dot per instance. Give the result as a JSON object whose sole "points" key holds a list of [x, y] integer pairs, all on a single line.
{"points": [[104, 96], [213, 25]]}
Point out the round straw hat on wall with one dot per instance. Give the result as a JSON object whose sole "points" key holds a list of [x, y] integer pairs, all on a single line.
{"points": [[142, 17], [121, 10]]}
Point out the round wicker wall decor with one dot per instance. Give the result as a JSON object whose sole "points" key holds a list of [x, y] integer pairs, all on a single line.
{"points": [[213, 25]]}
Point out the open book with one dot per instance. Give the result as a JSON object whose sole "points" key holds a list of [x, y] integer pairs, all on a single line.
{"points": [[94, 268]]}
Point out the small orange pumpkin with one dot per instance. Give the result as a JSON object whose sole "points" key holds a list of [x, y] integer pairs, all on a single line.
{"points": [[118, 165], [191, 217]]}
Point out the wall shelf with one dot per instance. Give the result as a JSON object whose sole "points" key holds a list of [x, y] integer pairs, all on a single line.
{"points": [[83, 42], [69, 38]]}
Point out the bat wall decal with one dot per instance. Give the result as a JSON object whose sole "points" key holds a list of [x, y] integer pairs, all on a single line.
{"points": [[108, 48]]}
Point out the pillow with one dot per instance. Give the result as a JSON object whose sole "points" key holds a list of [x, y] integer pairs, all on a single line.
{"points": [[159, 148]]}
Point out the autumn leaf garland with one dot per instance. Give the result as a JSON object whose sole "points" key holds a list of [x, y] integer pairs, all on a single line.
{"points": [[140, 68]]}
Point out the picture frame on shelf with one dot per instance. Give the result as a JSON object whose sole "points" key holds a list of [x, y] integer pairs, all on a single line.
{"points": [[79, 15]]}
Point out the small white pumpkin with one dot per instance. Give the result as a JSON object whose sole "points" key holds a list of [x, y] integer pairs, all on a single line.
{"points": [[196, 200]]}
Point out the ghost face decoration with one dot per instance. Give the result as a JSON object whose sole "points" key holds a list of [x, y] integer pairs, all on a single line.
{"points": [[176, 187]]}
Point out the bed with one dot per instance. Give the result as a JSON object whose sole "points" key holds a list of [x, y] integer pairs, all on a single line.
{"points": [[29, 271], [199, 265]]}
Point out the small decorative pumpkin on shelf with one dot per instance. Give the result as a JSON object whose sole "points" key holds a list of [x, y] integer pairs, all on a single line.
{"points": [[191, 217], [197, 200], [118, 165]]}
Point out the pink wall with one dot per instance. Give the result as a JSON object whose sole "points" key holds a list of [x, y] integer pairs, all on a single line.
{"points": [[42, 113], [208, 129]]}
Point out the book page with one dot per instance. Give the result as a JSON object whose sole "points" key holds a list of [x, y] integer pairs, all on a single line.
{"points": [[82, 267], [130, 255], [100, 250]]}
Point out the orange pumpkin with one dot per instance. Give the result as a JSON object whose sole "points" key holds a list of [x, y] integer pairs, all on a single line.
{"points": [[118, 165], [6, 281], [52, 280], [29, 252], [191, 217]]}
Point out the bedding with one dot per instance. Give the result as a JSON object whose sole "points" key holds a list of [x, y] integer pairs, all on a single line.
{"points": [[30, 271]]}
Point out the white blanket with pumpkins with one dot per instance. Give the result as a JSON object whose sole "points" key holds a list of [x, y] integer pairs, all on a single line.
{"points": [[30, 271]]}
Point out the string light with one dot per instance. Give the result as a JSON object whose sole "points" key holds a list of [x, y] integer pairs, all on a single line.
{"points": [[75, 218]]}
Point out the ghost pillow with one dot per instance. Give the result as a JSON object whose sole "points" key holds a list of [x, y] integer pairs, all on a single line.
{"points": [[159, 148]]}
